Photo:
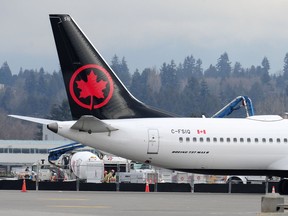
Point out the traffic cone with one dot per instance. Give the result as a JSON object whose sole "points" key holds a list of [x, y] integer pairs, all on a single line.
{"points": [[147, 187], [273, 189], [24, 186]]}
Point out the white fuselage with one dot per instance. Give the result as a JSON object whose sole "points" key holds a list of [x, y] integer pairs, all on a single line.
{"points": [[204, 145]]}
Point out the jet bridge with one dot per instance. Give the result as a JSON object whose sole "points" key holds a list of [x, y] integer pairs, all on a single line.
{"points": [[237, 103]]}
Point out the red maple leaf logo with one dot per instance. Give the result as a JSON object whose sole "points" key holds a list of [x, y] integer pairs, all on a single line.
{"points": [[91, 88]]}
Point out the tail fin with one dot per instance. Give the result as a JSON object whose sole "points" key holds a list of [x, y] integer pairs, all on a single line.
{"points": [[92, 86]]}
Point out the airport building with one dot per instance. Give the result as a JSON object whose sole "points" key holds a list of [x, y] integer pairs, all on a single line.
{"points": [[15, 154], [18, 154]]}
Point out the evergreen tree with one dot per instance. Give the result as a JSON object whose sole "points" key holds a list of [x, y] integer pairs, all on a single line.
{"points": [[169, 92], [238, 71], [55, 85], [188, 67], [285, 68], [250, 71], [223, 66], [190, 99], [30, 81], [42, 82], [208, 103], [211, 72], [204, 90], [61, 112], [121, 69], [139, 85], [136, 85], [151, 81], [265, 70], [5, 74], [168, 74], [8, 96], [256, 93], [198, 71]]}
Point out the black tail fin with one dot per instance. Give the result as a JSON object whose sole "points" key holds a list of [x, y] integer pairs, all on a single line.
{"points": [[92, 86]]}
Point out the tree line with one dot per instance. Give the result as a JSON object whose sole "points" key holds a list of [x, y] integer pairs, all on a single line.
{"points": [[184, 88], [188, 89]]}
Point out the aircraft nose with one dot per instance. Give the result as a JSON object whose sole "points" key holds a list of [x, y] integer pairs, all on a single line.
{"points": [[53, 127]]}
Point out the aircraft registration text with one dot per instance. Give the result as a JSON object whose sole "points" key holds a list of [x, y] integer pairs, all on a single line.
{"points": [[180, 131]]}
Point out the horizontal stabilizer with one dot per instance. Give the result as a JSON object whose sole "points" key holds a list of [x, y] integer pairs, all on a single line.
{"points": [[32, 119], [92, 124]]}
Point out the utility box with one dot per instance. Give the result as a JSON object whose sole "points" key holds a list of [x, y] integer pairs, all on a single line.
{"points": [[270, 202], [130, 177], [94, 172], [182, 178]]}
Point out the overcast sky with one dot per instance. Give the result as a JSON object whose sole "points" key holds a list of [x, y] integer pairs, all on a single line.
{"points": [[149, 33]]}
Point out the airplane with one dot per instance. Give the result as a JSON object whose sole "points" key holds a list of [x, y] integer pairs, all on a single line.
{"points": [[106, 116]]}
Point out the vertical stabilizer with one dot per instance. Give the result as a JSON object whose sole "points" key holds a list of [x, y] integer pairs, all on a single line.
{"points": [[92, 86]]}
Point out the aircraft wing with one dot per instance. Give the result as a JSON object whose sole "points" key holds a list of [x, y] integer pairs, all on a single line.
{"points": [[92, 124], [32, 119]]}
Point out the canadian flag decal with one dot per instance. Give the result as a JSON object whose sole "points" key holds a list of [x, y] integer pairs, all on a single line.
{"points": [[201, 131]]}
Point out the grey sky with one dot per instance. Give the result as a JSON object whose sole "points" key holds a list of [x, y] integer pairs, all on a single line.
{"points": [[149, 32]]}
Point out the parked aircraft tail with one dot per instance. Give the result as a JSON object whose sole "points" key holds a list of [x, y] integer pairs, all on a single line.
{"points": [[92, 86]]}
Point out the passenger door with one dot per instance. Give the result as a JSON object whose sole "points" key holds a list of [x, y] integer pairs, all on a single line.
{"points": [[153, 141]]}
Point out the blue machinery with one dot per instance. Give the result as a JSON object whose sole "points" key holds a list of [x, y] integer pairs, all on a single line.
{"points": [[234, 105], [55, 153]]}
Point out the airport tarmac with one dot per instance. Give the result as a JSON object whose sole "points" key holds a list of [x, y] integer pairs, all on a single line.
{"points": [[44, 203]]}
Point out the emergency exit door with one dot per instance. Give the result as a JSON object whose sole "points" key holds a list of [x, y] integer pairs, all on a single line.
{"points": [[153, 141]]}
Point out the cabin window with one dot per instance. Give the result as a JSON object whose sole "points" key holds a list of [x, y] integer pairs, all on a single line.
{"points": [[234, 139], [187, 139], [242, 140], [256, 140], [228, 140], [194, 139], [248, 140], [207, 139], [214, 139], [270, 140], [201, 139], [221, 139], [180, 139], [285, 140], [263, 140], [278, 140]]}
